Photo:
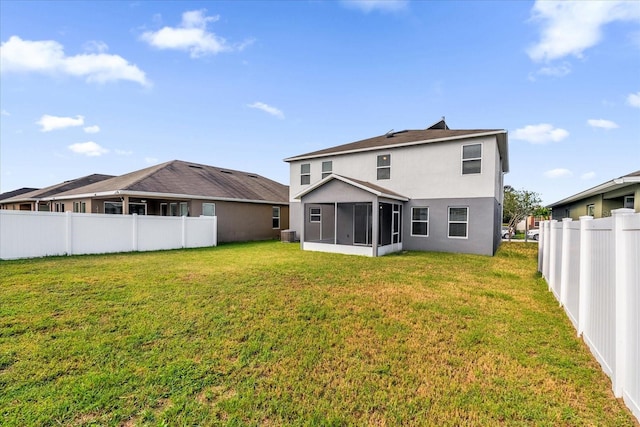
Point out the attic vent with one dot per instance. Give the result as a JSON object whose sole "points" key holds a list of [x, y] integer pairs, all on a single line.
{"points": [[195, 167], [252, 176], [391, 133], [224, 171]]}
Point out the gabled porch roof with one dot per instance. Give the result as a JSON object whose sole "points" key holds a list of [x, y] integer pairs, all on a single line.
{"points": [[366, 186]]}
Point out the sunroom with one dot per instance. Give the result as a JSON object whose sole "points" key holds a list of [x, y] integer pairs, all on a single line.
{"points": [[344, 215]]}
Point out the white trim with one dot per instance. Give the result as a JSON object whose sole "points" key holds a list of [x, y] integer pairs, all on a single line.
{"points": [[609, 185]]}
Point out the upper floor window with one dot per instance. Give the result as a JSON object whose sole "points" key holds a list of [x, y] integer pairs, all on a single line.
{"points": [[384, 166], [458, 222], [471, 159], [305, 174], [327, 169]]}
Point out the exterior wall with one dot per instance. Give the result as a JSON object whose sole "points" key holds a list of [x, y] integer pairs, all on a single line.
{"points": [[430, 171], [421, 171], [239, 222], [481, 238]]}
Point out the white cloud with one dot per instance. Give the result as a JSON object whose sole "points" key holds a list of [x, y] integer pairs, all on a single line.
{"points": [[556, 71], [382, 5], [571, 27], [123, 152], [47, 56], [50, 123], [601, 123], [95, 46], [540, 134], [588, 175], [558, 173], [191, 35], [267, 109], [92, 129], [634, 99], [88, 148]]}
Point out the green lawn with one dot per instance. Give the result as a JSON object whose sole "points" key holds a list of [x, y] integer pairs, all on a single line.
{"points": [[265, 334]]}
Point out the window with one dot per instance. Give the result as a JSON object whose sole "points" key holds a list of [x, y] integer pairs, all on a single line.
{"points": [[114, 208], [419, 221], [80, 207], [471, 159], [384, 166], [184, 209], [458, 222], [629, 201], [315, 214], [173, 209], [137, 208], [209, 209], [327, 168], [591, 210], [275, 217], [305, 174], [59, 207]]}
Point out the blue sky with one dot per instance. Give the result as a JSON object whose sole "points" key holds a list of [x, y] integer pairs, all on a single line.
{"points": [[113, 87]]}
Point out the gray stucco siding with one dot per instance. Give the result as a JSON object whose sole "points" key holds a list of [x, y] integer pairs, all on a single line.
{"points": [[481, 229]]}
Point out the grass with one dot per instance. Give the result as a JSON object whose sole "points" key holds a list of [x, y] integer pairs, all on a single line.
{"points": [[265, 334]]}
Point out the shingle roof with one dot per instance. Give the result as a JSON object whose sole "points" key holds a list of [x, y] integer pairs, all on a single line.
{"points": [[17, 192], [407, 137], [191, 179], [58, 188]]}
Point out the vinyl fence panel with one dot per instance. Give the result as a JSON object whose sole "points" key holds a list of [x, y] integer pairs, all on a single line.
{"points": [[37, 234], [597, 263]]}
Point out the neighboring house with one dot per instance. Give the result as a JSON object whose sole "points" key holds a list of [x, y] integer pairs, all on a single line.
{"points": [[18, 192], [435, 189], [599, 201], [248, 206], [39, 199]]}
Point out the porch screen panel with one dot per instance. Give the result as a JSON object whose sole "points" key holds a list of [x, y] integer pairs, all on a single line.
{"points": [[362, 224]]}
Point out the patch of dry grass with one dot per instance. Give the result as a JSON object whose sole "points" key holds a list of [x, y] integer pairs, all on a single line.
{"points": [[264, 334]]}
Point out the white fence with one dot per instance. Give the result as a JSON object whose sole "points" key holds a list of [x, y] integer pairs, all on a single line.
{"points": [[25, 234], [592, 267]]}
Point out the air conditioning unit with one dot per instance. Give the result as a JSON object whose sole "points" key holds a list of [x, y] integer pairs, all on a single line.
{"points": [[288, 236]]}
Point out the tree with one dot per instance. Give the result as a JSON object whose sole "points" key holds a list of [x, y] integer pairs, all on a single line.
{"points": [[518, 205]]}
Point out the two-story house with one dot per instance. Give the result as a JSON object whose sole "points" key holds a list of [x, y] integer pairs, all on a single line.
{"points": [[435, 189]]}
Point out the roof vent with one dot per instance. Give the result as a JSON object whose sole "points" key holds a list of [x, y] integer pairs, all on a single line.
{"points": [[391, 133], [252, 176], [195, 166], [224, 171]]}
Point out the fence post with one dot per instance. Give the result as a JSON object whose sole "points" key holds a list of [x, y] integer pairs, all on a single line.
{"points": [[69, 233], [553, 234], [134, 231], [585, 274], [564, 272], [215, 231], [184, 231], [622, 293], [541, 238], [545, 254]]}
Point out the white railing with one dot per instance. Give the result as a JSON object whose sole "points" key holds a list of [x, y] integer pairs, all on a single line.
{"points": [[26, 234], [592, 267]]}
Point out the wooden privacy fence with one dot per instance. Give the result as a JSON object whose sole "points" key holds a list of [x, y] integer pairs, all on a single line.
{"points": [[26, 234], [592, 268]]}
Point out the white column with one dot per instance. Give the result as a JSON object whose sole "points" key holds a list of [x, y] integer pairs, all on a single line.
{"points": [[585, 274]]}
